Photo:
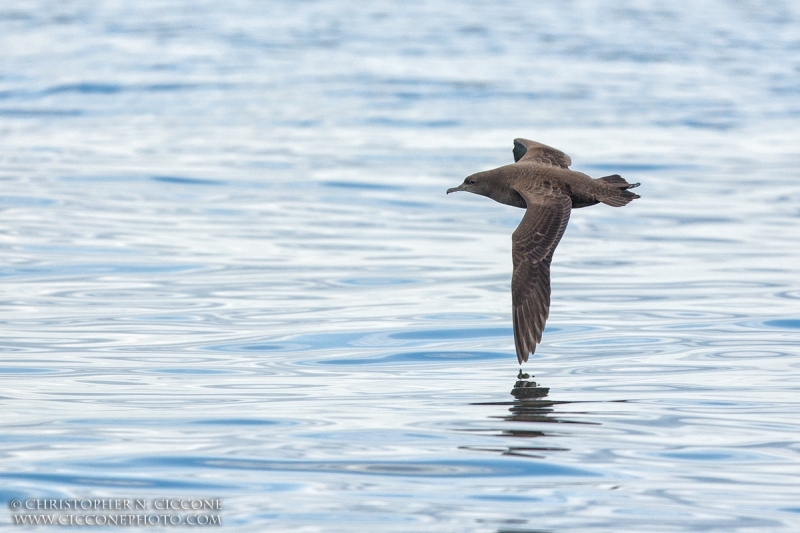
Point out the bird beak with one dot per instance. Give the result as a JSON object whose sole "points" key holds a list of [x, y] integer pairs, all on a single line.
{"points": [[454, 189]]}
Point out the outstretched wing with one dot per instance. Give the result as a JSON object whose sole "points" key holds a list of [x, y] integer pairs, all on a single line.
{"points": [[533, 244], [541, 154]]}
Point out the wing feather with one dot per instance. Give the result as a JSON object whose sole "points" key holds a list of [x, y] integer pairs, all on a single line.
{"points": [[533, 244], [526, 151]]}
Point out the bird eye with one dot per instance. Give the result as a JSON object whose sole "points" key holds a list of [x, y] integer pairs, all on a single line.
{"points": [[471, 182]]}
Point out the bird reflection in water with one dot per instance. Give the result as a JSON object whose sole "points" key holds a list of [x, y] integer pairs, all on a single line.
{"points": [[529, 405]]}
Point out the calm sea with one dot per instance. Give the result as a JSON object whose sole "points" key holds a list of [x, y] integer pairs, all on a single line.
{"points": [[230, 270]]}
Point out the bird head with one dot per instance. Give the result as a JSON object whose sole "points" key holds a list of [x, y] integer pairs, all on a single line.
{"points": [[476, 183]]}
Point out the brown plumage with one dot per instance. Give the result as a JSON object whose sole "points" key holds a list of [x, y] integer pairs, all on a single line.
{"points": [[541, 182]]}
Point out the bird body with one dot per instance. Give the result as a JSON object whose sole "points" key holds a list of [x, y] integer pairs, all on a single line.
{"points": [[540, 182]]}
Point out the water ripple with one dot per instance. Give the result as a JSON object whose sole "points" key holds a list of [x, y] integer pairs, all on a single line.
{"points": [[232, 269]]}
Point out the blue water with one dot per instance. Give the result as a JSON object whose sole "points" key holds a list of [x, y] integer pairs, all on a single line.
{"points": [[229, 268]]}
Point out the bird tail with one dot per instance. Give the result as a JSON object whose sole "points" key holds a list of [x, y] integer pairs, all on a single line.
{"points": [[619, 194]]}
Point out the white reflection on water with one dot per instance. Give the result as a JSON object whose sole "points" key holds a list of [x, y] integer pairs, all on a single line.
{"points": [[231, 269]]}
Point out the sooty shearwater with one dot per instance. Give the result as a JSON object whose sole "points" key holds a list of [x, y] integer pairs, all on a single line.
{"points": [[541, 182]]}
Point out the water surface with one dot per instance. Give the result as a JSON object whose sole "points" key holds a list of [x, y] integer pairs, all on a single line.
{"points": [[230, 269]]}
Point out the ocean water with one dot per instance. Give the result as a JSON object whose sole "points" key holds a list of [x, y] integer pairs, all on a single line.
{"points": [[230, 270]]}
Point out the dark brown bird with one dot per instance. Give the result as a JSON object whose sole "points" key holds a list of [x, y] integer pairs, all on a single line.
{"points": [[541, 182]]}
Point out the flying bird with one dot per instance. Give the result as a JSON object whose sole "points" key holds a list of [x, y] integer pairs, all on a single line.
{"points": [[540, 182]]}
